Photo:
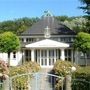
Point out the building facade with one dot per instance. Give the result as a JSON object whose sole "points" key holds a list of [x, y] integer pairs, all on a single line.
{"points": [[45, 42]]}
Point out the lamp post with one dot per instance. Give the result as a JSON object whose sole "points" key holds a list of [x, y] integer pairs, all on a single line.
{"points": [[69, 78]]}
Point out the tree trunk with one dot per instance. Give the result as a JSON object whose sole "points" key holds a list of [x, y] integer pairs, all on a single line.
{"points": [[8, 58]]}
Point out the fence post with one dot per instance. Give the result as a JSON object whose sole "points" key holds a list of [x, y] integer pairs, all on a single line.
{"points": [[68, 82], [6, 83]]}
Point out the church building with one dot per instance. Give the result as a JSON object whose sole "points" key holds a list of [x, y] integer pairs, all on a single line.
{"points": [[45, 42]]}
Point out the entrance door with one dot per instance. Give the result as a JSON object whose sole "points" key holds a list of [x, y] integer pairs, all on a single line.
{"points": [[51, 57], [46, 58], [41, 57], [44, 61]]}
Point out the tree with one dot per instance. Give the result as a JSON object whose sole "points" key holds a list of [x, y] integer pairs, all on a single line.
{"points": [[62, 18], [86, 6], [77, 24], [82, 43], [9, 42], [17, 26], [86, 9]]}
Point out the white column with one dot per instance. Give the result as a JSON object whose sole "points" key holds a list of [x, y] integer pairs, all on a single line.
{"points": [[62, 54], [72, 55], [40, 58], [23, 56], [32, 55], [24, 39], [47, 57], [54, 55]]}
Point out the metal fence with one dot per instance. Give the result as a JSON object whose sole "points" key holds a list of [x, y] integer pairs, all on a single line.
{"points": [[36, 81], [43, 81]]}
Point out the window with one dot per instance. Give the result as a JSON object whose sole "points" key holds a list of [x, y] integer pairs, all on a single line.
{"points": [[27, 39], [88, 55], [14, 55], [22, 40]]}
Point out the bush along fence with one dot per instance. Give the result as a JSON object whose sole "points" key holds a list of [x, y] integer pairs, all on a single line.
{"points": [[81, 79], [19, 83], [76, 77]]}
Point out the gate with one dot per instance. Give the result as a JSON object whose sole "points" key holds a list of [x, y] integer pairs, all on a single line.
{"points": [[36, 81]]}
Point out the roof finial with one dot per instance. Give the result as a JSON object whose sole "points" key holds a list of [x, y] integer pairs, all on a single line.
{"points": [[47, 13]]}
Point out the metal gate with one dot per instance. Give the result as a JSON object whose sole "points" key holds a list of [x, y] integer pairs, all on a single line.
{"points": [[36, 81]]}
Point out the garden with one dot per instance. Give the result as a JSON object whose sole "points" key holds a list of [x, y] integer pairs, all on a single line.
{"points": [[80, 77]]}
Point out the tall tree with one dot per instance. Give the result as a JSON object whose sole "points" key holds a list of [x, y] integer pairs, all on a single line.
{"points": [[77, 24], [17, 26], [86, 6], [86, 9], [9, 42], [82, 43]]}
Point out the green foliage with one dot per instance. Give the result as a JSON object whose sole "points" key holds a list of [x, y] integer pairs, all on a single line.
{"points": [[86, 6], [63, 68], [20, 25], [81, 78], [21, 82], [25, 68], [82, 42], [77, 24], [17, 26], [82, 73], [9, 42], [86, 9], [63, 18]]}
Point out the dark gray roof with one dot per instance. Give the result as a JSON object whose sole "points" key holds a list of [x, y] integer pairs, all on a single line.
{"points": [[55, 27]]}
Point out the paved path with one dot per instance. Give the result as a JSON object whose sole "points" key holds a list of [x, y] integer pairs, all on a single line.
{"points": [[41, 81]]}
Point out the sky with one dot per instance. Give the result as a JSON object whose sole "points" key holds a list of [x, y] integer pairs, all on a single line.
{"points": [[14, 9]]}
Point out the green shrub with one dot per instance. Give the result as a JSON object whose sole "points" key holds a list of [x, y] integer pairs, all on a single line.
{"points": [[27, 67], [21, 82], [81, 78], [82, 73], [63, 68]]}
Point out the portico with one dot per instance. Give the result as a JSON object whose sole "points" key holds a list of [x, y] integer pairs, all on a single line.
{"points": [[46, 52]]}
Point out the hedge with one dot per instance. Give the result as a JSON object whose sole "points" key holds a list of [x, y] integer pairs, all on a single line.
{"points": [[81, 79]]}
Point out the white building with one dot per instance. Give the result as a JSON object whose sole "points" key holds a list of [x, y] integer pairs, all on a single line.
{"points": [[46, 42]]}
